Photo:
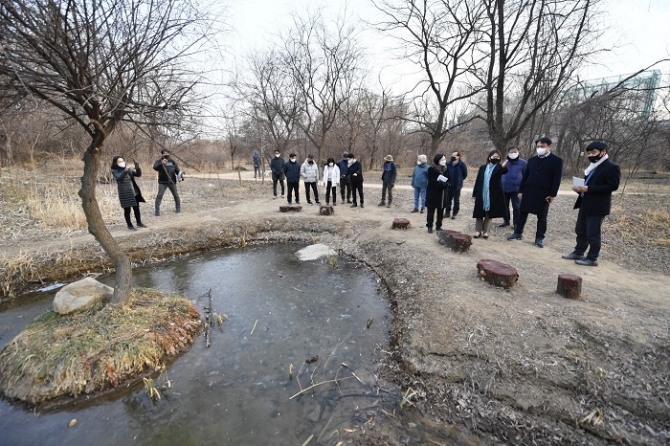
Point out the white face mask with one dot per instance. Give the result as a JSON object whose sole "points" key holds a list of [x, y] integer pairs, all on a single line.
{"points": [[541, 151], [293, 160], [443, 162], [277, 155], [418, 163], [122, 165], [331, 164], [513, 156], [350, 162]]}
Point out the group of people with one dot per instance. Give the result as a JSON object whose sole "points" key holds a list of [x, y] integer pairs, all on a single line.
{"points": [[130, 195], [529, 186], [346, 173]]}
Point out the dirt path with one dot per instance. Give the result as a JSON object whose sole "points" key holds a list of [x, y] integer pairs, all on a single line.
{"points": [[524, 366]]}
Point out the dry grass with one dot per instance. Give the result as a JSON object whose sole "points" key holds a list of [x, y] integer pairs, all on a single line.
{"points": [[651, 226], [65, 356]]}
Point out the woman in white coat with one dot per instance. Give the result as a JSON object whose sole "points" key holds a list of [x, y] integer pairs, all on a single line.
{"points": [[331, 179]]}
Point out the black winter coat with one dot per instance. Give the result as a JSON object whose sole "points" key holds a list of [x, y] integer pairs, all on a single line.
{"points": [[496, 194], [541, 179], [355, 172], [277, 168], [436, 193], [292, 172], [129, 192], [389, 176], [601, 183], [167, 173]]}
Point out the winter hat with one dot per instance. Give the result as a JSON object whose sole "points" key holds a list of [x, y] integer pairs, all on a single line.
{"points": [[388, 158], [437, 158], [596, 145]]}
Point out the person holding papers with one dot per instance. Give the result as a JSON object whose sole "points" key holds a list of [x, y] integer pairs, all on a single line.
{"points": [[601, 178], [436, 193]]}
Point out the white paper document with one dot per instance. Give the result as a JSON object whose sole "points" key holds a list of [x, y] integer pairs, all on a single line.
{"points": [[576, 181]]}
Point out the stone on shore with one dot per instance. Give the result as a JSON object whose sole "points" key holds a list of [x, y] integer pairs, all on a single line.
{"points": [[81, 295], [315, 252]]}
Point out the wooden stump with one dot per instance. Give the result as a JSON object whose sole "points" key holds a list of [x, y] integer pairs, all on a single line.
{"points": [[455, 240], [400, 223], [569, 285], [327, 209], [290, 208], [497, 273]]}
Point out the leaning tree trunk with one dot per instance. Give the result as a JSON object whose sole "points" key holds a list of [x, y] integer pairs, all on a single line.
{"points": [[96, 225]]}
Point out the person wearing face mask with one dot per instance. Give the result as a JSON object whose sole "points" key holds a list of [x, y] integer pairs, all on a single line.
{"points": [[511, 182], [291, 171], [389, 175], [436, 193], [309, 171], [345, 183], [594, 201], [130, 195], [277, 168], [169, 174], [355, 170], [458, 172], [538, 189], [488, 193], [420, 182], [331, 178]]}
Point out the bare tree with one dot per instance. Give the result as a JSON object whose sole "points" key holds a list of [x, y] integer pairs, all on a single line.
{"points": [[441, 37], [100, 62], [532, 49]]}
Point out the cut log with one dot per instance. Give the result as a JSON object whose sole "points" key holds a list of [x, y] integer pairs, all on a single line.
{"points": [[400, 223], [497, 273], [290, 208], [327, 209], [569, 285], [455, 240]]}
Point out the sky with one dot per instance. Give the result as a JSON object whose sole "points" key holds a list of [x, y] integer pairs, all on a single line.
{"points": [[635, 29]]}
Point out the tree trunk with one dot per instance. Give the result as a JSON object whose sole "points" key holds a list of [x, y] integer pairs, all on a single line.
{"points": [[96, 225]]}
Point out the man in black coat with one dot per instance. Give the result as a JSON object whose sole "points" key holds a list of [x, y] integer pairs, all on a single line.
{"points": [[594, 202], [169, 174], [355, 170], [277, 168], [539, 187]]}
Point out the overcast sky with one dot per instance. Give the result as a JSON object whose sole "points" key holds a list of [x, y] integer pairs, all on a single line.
{"points": [[638, 29]]}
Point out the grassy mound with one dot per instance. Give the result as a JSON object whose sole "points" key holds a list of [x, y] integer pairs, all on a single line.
{"points": [[66, 356]]}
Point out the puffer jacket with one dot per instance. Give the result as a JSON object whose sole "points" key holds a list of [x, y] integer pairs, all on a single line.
{"points": [[512, 179], [309, 172], [420, 176], [129, 192], [292, 171]]}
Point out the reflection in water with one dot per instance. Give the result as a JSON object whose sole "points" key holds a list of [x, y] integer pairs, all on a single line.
{"points": [[280, 313]]}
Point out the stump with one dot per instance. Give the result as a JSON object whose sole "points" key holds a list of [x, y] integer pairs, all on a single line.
{"points": [[326, 210], [455, 240], [400, 223], [569, 285], [290, 208], [497, 273]]}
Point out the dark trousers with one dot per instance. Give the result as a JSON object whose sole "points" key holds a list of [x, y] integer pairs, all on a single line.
{"points": [[357, 187], [293, 187], [330, 189], [431, 215], [345, 189], [136, 211], [257, 171], [512, 197], [455, 196], [541, 222], [588, 229], [161, 190], [387, 187], [312, 185], [276, 180]]}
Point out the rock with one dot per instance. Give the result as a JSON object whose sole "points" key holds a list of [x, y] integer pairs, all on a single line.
{"points": [[455, 240], [81, 295], [315, 252], [290, 208], [497, 273], [326, 210], [569, 285], [400, 223]]}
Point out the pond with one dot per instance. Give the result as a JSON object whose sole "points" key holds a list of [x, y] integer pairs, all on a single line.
{"points": [[290, 325]]}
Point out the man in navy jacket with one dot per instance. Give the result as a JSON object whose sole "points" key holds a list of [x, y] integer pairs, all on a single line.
{"points": [[511, 182], [539, 187], [602, 177]]}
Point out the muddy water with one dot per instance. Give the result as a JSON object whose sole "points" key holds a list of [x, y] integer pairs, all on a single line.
{"points": [[281, 315]]}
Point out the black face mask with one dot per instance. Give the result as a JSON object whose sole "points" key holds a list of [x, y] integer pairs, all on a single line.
{"points": [[494, 160], [310, 162], [594, 159]]}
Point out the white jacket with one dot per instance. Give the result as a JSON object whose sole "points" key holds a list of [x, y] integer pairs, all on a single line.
{"points": [[335, 175], [309, 172]]}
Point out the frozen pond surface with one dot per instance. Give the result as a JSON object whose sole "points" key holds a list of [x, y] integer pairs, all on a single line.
{"points": [[282, 315]]}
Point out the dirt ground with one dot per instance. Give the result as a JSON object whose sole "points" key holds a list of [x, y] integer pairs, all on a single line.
{"points": [[479, 364]]}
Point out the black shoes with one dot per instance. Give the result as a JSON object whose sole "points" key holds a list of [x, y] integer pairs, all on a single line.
{"points": [[132, 228], [422, 210], [362, 206], [586, 262], [381, 204], [539, 243], [141, 225], [503, 224], [572, 256], [414, 210], [515, 236], [353, 205], [430, 230]]}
